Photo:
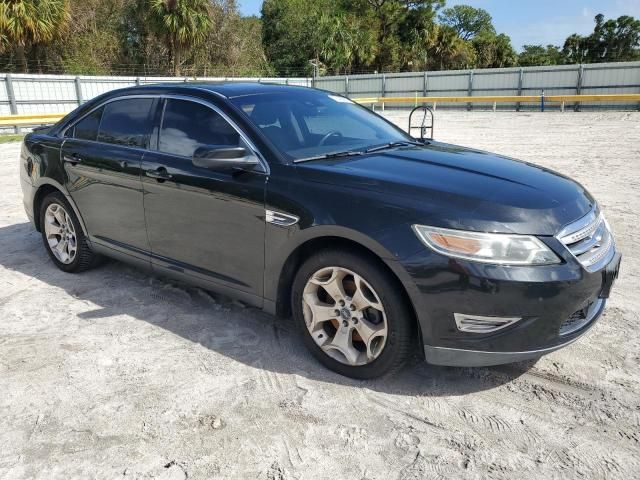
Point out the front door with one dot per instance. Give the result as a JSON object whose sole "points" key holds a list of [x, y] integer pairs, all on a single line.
{"points": [[102, 156], [203, 223]]}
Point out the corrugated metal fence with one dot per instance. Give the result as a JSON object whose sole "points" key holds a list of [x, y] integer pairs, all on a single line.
{"points": [[26, 94], [623, 77]]}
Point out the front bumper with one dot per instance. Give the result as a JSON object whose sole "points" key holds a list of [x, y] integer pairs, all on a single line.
{"points": [[547, 298], [455, 357]]}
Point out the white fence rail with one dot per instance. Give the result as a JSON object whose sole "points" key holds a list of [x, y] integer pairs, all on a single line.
{"points": [[33, 94], [37, 94]]}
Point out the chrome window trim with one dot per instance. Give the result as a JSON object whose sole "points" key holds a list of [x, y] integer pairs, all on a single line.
{"points": [[63, 132], [264, 164]]}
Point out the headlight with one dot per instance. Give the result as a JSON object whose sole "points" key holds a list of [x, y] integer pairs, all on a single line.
{"points": [[499, 248]]}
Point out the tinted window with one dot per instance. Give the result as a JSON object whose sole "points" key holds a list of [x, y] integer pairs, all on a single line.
{"points": [[188, 125], [126, 122], [87, 128]]}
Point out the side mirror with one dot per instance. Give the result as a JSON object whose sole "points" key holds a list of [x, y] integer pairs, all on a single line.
{"points": [[223, 158]]}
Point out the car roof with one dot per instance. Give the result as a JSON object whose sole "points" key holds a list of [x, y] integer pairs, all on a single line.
{"points": [[226, 89]]}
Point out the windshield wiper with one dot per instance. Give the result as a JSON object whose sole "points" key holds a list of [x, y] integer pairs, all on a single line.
{"points": [[351, 153], [393, 145], [348, 153]]}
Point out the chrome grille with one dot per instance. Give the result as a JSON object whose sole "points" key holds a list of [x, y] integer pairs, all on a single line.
{"points": [[589, 240]]}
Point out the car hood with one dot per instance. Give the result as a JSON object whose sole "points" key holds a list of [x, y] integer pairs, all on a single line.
{"points": [[449, 186]]}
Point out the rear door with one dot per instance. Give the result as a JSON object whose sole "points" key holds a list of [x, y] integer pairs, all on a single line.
{"points": [[102, 157], [203, 223]]}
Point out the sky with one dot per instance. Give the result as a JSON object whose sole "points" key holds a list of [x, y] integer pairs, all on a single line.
{"points": [[531, 21]]}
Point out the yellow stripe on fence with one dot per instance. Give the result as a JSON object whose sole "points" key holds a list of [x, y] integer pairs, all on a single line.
{"points": [[626, 97], [30, 119], [49, 118]]}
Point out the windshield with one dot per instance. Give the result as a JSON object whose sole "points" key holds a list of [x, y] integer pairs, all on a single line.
{"points": [[311, 123]]}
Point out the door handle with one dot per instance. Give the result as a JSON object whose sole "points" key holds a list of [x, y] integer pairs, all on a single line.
{"points": [[160, 174], [72, 159]]}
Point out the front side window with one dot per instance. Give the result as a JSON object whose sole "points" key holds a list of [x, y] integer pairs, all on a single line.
{"points": [[188, 125], [126, 122], [87, 128], [310, 123]]}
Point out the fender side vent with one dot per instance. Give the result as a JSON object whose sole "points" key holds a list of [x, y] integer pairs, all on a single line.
{"points": [[280, 219]]}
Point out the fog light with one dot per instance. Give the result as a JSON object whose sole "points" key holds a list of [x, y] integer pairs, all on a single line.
{"points": [[479, 324]]}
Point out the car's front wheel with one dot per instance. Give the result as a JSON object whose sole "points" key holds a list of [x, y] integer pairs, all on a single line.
{"points": [[352, 314], [63, 237]]}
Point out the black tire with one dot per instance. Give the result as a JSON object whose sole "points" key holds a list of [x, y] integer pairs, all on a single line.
{"points": [[85, 258], [401, 336]]}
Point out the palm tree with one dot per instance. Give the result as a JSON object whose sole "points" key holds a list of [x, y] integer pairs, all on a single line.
{"points": [[181, 23], [449, 49], [343, 42], [24, 23]]}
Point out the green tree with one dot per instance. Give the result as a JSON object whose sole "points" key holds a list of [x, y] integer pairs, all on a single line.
{"points": [[611, 41], [391, 19], [576, 49], [449, 51], [183, 24], [344, 41], [467, 21], [290, 34], [417, 36], [533, 55], [243, 54], [493, 51], [27, 23]]}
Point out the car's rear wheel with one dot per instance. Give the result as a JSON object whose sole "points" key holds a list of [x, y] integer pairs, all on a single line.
{"points": [[352, 315], [63, 237]]}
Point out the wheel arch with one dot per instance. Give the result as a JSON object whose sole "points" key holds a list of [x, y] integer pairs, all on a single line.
{"points": [[45, 188], [313, 245]]}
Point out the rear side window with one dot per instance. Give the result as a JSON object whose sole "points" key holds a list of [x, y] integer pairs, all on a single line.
{"points": [[87, 128], [126, 122], [186, 126]]}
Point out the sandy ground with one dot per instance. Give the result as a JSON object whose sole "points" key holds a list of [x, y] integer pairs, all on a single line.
{"points": [[114, 373]]}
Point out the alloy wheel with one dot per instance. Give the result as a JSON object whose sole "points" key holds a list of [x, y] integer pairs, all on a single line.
{"points": [[345, 316], [60, 233]]}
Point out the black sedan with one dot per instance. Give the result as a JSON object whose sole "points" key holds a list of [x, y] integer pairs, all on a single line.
{"points": [[301, 202]]}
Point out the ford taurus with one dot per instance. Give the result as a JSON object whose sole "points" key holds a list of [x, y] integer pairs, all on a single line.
{"points": [[305, 204]]}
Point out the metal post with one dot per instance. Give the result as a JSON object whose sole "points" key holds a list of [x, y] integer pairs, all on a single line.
{"points": [[13, 106], [579, 86], [137, 80], [314, 73], [425, 85], [520, 81], [346, 85], [542, 101], [78, 90], [384, 88], [469, 105]]}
